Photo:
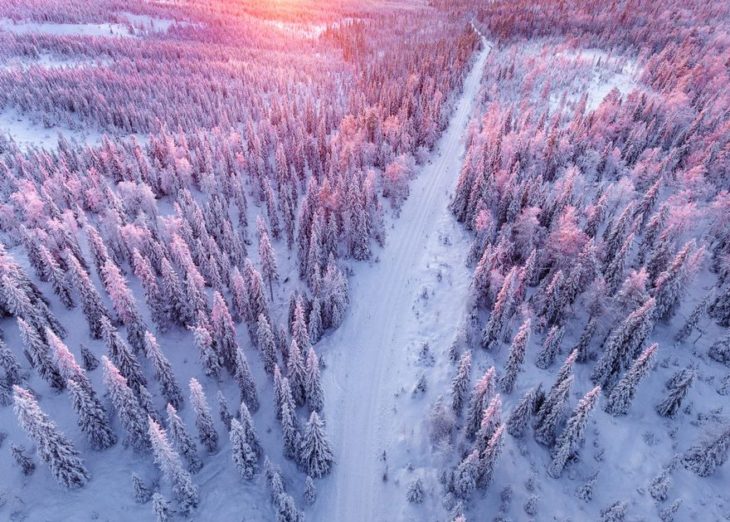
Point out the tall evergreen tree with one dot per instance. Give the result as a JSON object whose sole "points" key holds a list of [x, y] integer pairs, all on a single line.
{"points": [[182, 440], [520, 415], [266, 343], [243, 456], [551, 413], [460, 384], [203, 420], [488, 458], [296, 373], [92, 418], [704, 458], [516, 357], [163, 371], [478, 402], [40, 355], [130, 413], [550, 347], [246, 384], [571, 439], [677, 389], [315, 453], [312, 382], [623, 393], [53, 447]]}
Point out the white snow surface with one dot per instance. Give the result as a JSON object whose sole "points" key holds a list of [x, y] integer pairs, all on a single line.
{"points": [[369, 358]]}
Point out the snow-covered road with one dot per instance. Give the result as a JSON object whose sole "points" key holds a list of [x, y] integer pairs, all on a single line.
{"points": [[367, 355]]}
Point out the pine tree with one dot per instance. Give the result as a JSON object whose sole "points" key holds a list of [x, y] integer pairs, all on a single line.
{"points": [[676, 391], [554, 299], [223, 331], [163, 371], [497, 318], [9, 363], [315, 321], [250, 431], [122, 356], [478, 402], [53, 447], [243, 456], [24, 462], [66, 363], [130, 412], [40, 355], [623, 393], [182, 440], [719, 309], [312, 383], [616, 512], [704, 458], [488, 458], [460, 384], [245, 381], [571, 439], [177, 309], [516, 357], [415, 493], [315, 453], [289, 429], [295, 374], [464, 479], [287, 510], [669, 285], [550, 347], [256, 302], [310, 491], [551, 412], [152, 292], [266, 344], [161, 508], [693, 319], [585, 340], [268, 261], [520, 415], [168, 460], [300, 331], [491, 419], [124, 303], [720, 351], [209, 356], [623, 344], [142, 493], [224, 412], [92, 418], [203, 421], [90, 360]]}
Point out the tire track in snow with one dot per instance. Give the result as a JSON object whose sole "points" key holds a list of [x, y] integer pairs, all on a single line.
{"points": [[364, 355]]}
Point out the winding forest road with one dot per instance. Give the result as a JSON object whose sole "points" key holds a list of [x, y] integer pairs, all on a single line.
{"points": [[365, 354]]}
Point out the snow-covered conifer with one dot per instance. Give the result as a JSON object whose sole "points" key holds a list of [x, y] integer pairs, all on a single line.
{"points": [[581, 347], [720, 350], [122, 356], [168, 460], [520, 415], [489, 456], [694, 318], [130, 413], [163, 371], [142, 492], [704, 458], [296, 373], [677, 389], [491, 419], [92, 418], [40, 355], [312, 382], [669, 284], [498, 317], [9, 363], [623, 393], [571, 439], [266, 344], [182, 440], [550, 347], [310, 491], [243, 456], [315, 326], [616, 512], [250, 431], [415, 493], [460, 384], [245, 381], [224, 412], [161, 508], [268, 261], [24, 462], [53, 447], [480, 395], [516, 357], [314, 452], [207, 434], [223, 331], [551, 413], [464, 479], [91, 362], [212, 362]]}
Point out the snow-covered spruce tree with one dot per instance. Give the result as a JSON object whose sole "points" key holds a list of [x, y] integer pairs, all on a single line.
{"points": [[243, 456], [551, 413], [336, 295], [488, 458], [57, 277], [163, 371], [720, 351], [299, 328], [40, 355], [464, 478], [623, 343], [550, 347], [669, 284], [491, 419], [623, 393], [415, 493], [177, 310], [704, 458], [224, 412], [659, 486], [249, 430], [296, 374], [152, 292], [130, 413], [677, 389], [53, 447], [142, 492], [286, 509], [122, 356], [9, 363], [569, 442], [312, 383], [521, 414], [289, 429], [614, 272], [92, 418], [719, 309], [668, 513], [24, 462], [480, 395], [66, 363], [256, 301], [310, 491], [182, 440], [224, 332], [584, 342], [315, 326], [460, 384], [124, 303], [168, 460], [266, 343], [161, 508], [516, 357], [553, 301], [245, 381], [212, 362], [91, 362], [498, 316], [268, 262], [694, 318], [616, 512], [207, 434]]}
